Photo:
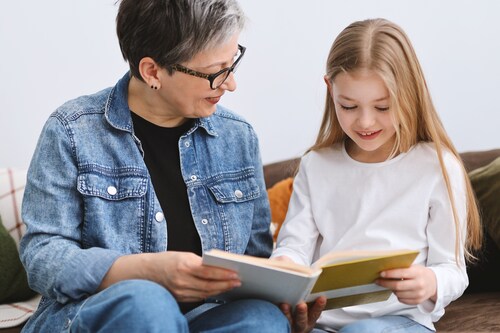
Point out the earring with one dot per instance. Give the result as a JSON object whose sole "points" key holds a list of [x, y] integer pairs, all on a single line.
{"points": [[154, 87]]}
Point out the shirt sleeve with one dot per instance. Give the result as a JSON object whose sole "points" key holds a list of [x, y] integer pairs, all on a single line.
{"points": [[448, 266], [51, 250], [298, 235]]}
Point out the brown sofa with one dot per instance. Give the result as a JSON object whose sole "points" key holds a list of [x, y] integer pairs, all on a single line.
{"points": [[478, 310]]}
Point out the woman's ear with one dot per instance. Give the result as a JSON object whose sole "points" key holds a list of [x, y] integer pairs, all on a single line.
{"points": [[148, 68]]}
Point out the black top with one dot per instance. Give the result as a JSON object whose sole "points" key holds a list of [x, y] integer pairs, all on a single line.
{"points": [[161, 155]]}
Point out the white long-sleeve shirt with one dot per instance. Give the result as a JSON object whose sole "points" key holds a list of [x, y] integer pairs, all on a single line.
{"points": [[342, 204]]}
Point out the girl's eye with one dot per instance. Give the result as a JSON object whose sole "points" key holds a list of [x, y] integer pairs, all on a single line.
{"points": [[348, 107], [382, 108]]}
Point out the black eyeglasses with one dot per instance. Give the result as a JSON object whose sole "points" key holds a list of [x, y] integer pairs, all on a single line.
{"points": [[216, 79]]}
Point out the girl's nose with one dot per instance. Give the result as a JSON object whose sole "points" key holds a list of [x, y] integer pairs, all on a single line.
{"points": [[366, 119]]}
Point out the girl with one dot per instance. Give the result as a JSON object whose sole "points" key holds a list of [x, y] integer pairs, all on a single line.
{"points": [[383, 174]]}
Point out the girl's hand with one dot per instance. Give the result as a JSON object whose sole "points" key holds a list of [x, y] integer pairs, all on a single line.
{"points": [[283, 258], [412, 285]]}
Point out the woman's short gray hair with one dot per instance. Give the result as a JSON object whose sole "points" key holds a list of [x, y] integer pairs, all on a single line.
{"points": [[174, 31]]}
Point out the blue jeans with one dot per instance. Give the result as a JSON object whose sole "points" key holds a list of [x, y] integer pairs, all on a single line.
{"points": [[383, 324], [144, 306]]}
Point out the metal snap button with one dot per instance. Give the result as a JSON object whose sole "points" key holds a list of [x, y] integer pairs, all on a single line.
{"points": [[186, 143], [193, 177], [159, 217], [238, 194], [204, 221], [112, 190]]}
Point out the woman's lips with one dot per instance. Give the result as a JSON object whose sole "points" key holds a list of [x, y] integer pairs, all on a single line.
{"points": [[369, 135], [213, 100]]}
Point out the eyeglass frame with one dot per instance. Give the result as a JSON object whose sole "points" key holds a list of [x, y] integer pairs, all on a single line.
{"points": [[212, 77]]}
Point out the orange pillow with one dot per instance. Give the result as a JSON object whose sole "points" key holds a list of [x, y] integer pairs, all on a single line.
{"points": [[279, 197]]}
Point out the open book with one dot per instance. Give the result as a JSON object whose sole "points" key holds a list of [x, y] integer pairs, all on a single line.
{"points": [[345, 278]]}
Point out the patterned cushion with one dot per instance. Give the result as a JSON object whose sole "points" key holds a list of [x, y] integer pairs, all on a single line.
{"points": [[13, 282], [15, 314], [12, 183]]}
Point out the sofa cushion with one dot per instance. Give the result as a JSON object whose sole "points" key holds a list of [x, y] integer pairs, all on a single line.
{"points": [[12, 183], [486, 184], [472, 313], [13, 282], [484, 275]]}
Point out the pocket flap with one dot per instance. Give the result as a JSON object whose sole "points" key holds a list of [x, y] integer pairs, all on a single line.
{"points": [[235, 186], [113, 184]]}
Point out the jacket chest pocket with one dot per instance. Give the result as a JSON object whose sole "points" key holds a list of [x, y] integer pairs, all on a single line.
{"points": [[235, 195], [234, 187], [114, 208]]}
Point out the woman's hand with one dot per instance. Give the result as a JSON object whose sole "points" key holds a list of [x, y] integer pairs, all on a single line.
{"points": [[304, 318], [182, 273], [412, 285]]}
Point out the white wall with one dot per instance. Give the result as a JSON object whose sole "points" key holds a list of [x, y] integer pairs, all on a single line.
{"points": [[54, 50]]}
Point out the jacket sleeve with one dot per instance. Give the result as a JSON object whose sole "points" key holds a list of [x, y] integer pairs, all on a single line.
{"points": [[51, 250], [260, 243]]}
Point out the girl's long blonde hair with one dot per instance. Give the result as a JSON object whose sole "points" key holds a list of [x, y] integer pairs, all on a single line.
{"points": [[383, 47]]}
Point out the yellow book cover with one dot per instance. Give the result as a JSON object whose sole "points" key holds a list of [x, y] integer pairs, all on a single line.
{"points": [[345, 278]]}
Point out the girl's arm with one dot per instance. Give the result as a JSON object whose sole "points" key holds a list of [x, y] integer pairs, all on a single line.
{"points": [[298, 235], [444, 278]]}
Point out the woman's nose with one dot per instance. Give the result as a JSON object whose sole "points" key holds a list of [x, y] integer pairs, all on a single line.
{"points": [[230, 83]]}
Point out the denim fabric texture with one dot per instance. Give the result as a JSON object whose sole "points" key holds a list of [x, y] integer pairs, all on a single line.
{"points": [[382, 324], [89, 197]]}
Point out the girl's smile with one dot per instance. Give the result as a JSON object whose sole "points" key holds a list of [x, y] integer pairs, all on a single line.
{"points": [[369, 135]]}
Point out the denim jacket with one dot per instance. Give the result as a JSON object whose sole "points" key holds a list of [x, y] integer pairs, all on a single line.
{"points": [[89, 197]]}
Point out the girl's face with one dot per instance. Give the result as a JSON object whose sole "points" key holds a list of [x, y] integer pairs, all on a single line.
{"points": [[362, 104]]}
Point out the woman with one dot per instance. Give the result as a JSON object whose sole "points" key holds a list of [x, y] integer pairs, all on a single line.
{"points": [[127, 187]]}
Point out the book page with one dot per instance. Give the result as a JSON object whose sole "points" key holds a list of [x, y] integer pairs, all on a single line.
{"points": [[263, 262], [354, 255]]}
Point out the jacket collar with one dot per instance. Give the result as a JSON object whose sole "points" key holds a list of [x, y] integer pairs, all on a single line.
{"points": [[116, 109]]}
